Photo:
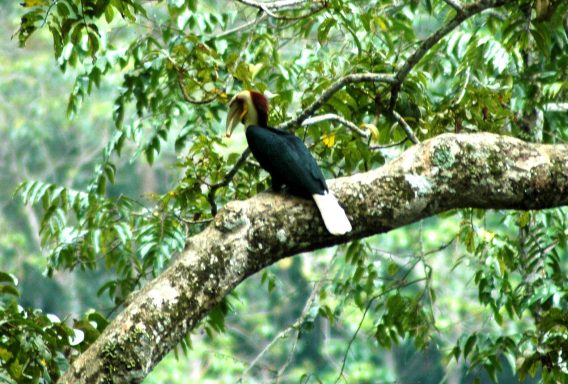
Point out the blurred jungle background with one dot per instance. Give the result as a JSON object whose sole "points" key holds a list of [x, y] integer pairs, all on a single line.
{"points": [[114, 126]]}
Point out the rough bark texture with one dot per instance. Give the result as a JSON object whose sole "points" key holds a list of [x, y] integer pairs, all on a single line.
{"points": [[447, 172]]}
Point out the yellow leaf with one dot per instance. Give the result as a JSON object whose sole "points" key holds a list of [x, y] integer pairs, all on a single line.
{"points": [[285, 263], [254, 69], [381, 23], [180, 50], [487, 236], [329, 139], [5, 354], [151, 196], [374, 131], [502, 266], [220, 93], [33, 3]]}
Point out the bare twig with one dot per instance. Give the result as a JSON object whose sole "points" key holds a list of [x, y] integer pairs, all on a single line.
{"points": [[188, 98], [295, 326], [341, 374], [226, 180], [53, 3], [376, 147], [407, 129], [302, 318], [281, 335], [195, 222], [277, 5], [333, 117], [242, 27], [331, 90], [243, 158], [269, 8], [300, 17], [402, 283]]}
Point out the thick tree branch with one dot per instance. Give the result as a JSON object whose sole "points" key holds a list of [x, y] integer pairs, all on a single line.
{"points": [[445, 173]]}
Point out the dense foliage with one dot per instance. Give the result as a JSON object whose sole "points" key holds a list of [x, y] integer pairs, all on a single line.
{"points": [[351, 313]]}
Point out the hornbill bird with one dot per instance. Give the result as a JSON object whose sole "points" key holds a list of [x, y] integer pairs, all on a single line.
{"points": [[285, 157]]}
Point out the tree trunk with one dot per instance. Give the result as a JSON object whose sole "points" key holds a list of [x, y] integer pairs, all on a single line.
{"points": [[447, 172]]}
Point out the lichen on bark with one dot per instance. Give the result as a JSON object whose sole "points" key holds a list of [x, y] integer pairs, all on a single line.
{"points": [[447, 172]]}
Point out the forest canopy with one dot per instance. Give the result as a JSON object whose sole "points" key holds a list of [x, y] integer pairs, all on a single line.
{"points": [[131, 227]]}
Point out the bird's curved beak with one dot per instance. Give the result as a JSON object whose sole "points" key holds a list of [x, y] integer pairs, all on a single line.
{"points": [[237, 112]]}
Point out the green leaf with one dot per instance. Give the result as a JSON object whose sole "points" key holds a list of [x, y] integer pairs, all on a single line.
{"points": [[324, 28], [469, 344], [9, 290], [8, 278]]}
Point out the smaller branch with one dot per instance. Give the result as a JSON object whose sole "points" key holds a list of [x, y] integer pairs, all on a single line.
{"points": [[300, 17], [376, 147], [195, 222], [331, 90], [341, 374], [53, 3], [405, 127], [333, 117], [226, 180], [281, 335], [186, 96], [466, 12], [274, 5], [302, 318], [242, 27], [401, 284], [441, 247], [267, 11], [243, 158], [285, 332]]}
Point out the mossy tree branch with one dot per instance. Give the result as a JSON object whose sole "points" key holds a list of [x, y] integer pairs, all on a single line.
{"points": [[444, 173]]}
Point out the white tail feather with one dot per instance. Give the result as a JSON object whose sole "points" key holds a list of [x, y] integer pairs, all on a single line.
{"points": [[333, 215]]}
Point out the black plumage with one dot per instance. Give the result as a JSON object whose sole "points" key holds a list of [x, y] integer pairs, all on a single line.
{"points": [[285, 157]]}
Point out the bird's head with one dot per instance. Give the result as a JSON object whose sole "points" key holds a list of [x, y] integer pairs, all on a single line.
{"points": [[249, 108]]}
